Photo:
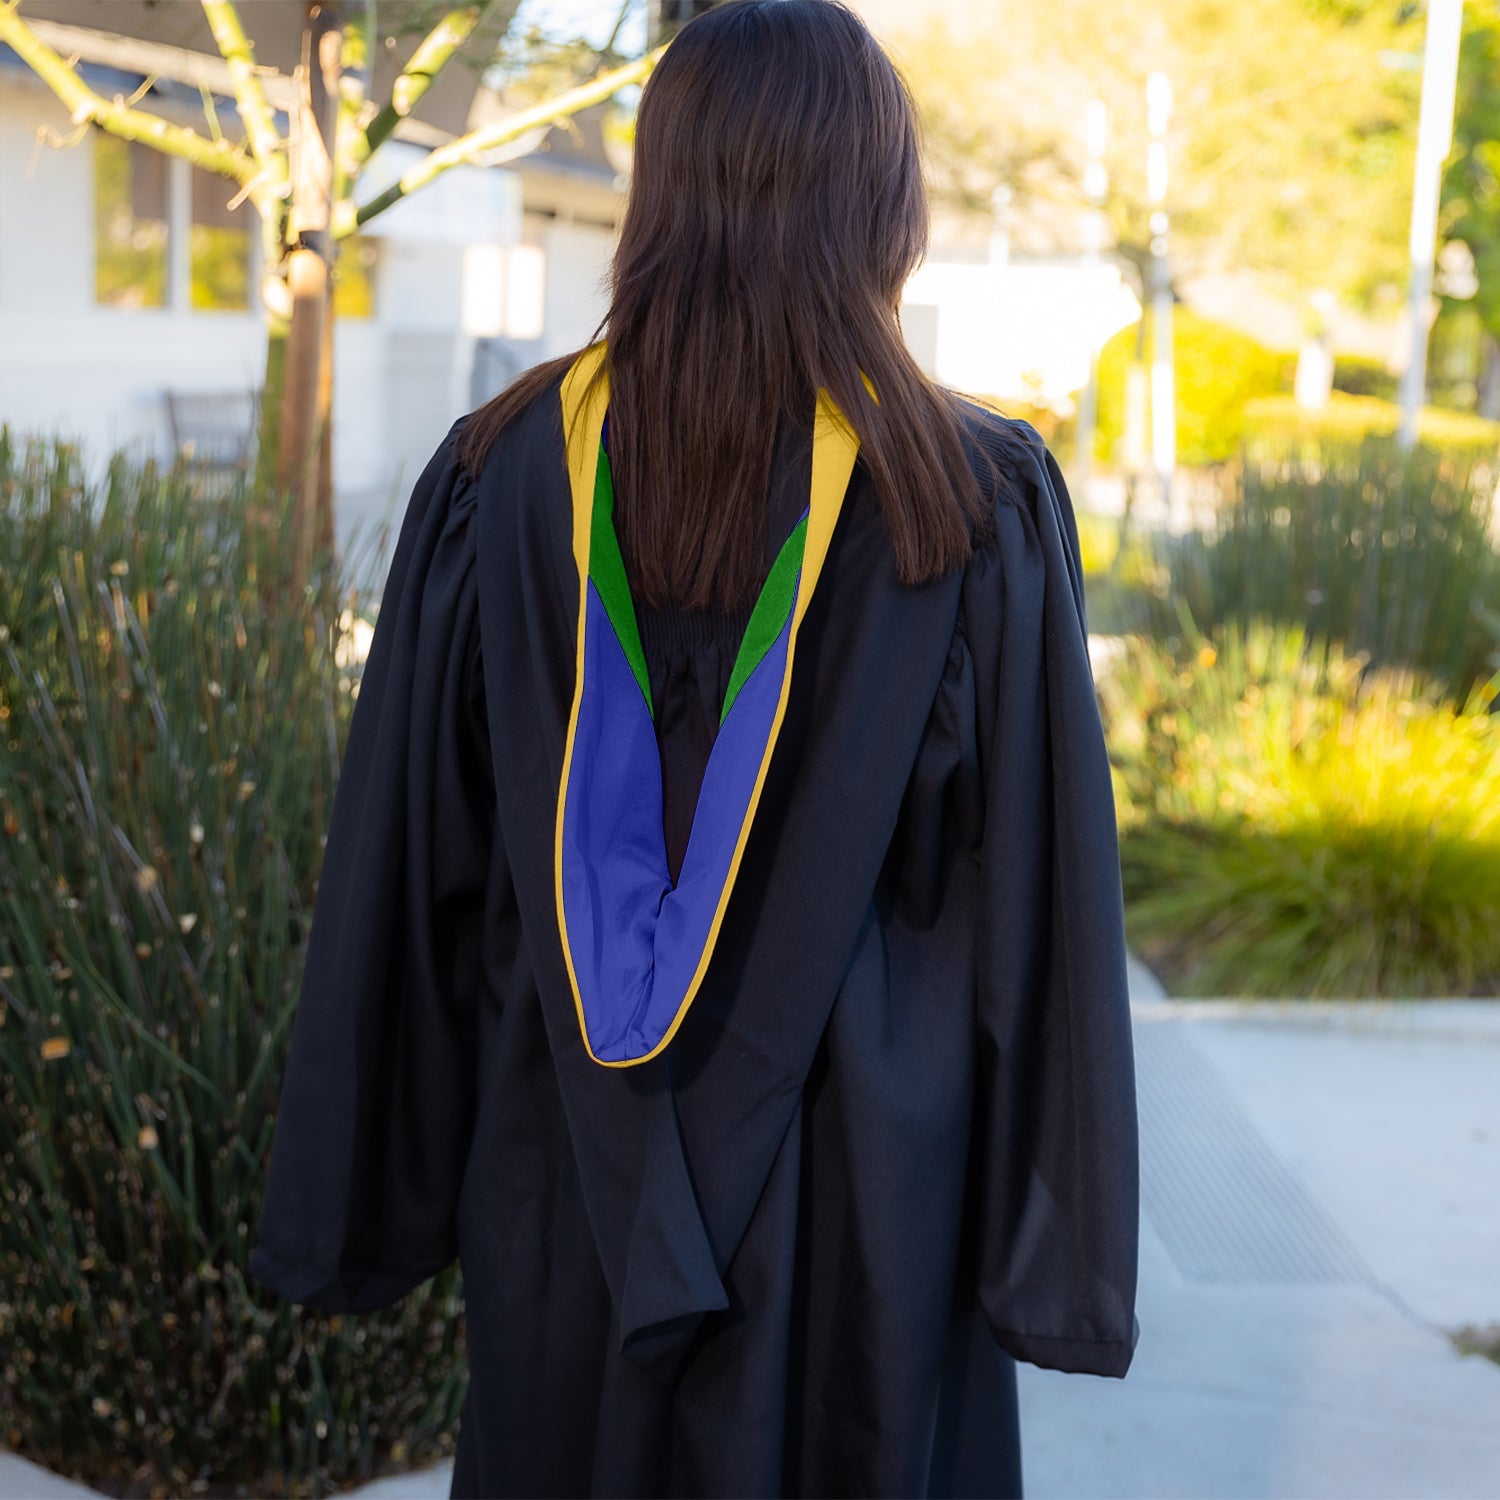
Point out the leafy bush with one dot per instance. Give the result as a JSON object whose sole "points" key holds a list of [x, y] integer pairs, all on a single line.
{"points": [[1122, 586], [1217, 371], [1388, 552], [1295, 824], [1359, 375], [168, 751], [1455, 354], [1347, 419], [1098, 541]]}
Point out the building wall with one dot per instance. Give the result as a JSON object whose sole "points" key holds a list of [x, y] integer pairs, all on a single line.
{"points": [[67, 365], [97, 374], [577, 287], [575, 256]]}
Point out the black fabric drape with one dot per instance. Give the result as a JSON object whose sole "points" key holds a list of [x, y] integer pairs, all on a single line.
{"points": [[892, 1147], [377, 1101]]}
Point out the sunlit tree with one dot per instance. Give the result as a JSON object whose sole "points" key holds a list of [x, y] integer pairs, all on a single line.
{"points": [[1291, 141], [301, 182], [1470, 211]]}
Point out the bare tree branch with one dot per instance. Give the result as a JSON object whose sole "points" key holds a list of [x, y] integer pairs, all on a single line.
{"points": [[355, 64], [467, 147], [250, 97], [118, 118], [614, 32], [433, 54]]}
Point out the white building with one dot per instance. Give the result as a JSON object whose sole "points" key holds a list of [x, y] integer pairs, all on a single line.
{"points": [[124, 276]]}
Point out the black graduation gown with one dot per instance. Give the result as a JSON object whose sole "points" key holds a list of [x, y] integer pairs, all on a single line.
{"points": [[891, 1148]]}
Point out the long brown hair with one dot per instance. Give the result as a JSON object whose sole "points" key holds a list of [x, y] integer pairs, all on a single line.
{"points": [[776, 208]]}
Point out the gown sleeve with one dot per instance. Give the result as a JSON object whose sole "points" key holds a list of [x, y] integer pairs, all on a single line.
{"points": [[377, 1098], [1058, 1189]]}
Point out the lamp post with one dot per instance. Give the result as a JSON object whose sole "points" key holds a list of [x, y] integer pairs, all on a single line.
{"points": [[1000, 201], [1434, 140], [1095, 187], [1163, 394]]}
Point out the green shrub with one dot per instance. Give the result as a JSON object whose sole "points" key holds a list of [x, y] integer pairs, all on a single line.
{"points": [[1098, 541], [1455, 357], [1387, 552], [168, 752], [1216, 369], [1358, 375], [1121, 587], [1346, 419], [1295, 824]]}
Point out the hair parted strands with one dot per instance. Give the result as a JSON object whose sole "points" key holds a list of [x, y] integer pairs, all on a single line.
{"points": [[776, 209]]}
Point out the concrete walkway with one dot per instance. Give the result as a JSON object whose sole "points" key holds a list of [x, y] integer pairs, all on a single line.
{"points": [[1320, 1207]]}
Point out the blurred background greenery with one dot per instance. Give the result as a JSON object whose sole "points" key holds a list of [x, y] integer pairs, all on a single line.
{"points": [[172, 731], [1298, 687], [1299, 691]]}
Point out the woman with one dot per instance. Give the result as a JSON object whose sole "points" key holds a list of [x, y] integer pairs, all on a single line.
{"points": [[719, 947]]}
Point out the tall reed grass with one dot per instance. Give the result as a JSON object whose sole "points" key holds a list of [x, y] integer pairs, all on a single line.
{"points": [[1296, 824], [1392, 554], [169, 744]]}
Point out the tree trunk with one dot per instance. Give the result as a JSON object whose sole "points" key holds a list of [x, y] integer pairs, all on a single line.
{"points": [[273, 388], [1489, 376], [302, 466], [1134, 442], [323, 532], [298, 466]]}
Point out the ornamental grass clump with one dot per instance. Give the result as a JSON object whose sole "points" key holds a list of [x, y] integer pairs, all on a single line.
{"points": [[1296, 824], [1392, 553], [170, 732]]}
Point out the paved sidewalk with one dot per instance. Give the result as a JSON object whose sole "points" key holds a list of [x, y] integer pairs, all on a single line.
{"points": [[1321, 1203]]}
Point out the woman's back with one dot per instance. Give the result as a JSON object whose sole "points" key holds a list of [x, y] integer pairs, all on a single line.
{"points": [[737, 992], [690, 652], [891, 1146]]}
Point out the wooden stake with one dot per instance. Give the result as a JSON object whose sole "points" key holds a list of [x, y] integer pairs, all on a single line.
{"points": [[299, 465]]}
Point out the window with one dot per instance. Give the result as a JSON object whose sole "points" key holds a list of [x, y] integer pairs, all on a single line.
{"points": [[164, 234], [130, 223], [354, 277], [219, 244]]}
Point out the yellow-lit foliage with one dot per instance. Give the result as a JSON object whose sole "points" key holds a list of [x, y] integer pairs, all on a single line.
{"points": [[1295, 825], [1348, 418], [1218, 372]]}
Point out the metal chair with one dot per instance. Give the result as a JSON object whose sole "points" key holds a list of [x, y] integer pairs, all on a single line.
{"points": [[213, 437]]}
